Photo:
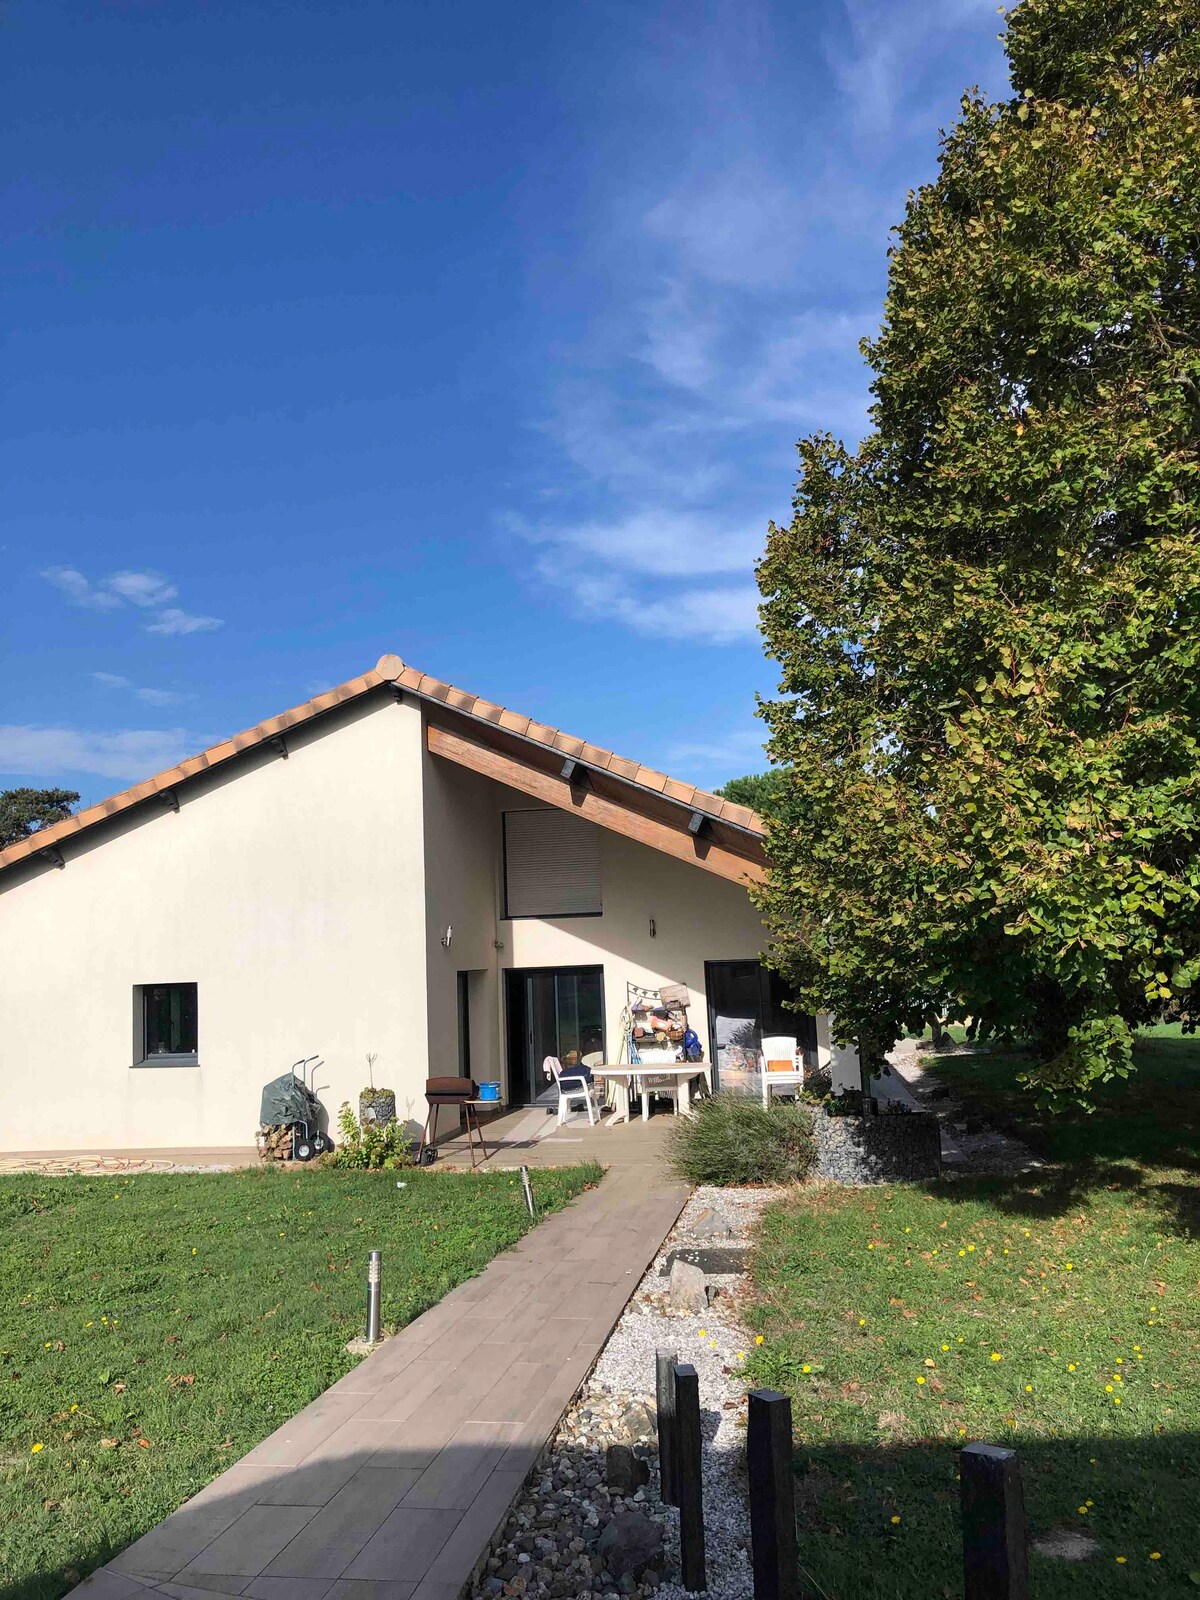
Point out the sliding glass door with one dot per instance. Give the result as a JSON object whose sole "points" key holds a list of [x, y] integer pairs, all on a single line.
{"points": [[552, 1011], [747, 1002]]}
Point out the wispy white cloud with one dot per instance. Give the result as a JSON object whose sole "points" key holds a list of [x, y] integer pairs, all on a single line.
{"points": [[151, 697], [141, 588], [144, 590], [739, 246], [79, 591], [174, 621], [125, 755]]}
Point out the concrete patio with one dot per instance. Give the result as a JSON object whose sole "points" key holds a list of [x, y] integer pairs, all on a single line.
{"points": [[392, 1484]]}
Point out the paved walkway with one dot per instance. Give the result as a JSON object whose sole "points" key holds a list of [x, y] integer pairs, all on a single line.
{"points": [[392, 1484]]}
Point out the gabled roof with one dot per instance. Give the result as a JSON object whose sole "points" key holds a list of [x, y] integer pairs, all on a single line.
{"points": [[391, 670]]}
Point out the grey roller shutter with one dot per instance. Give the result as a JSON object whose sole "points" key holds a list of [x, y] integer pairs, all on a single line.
{"points": [[551, 865]]}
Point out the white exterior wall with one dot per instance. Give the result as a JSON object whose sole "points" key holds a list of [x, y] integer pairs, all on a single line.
{"points": [[697, 917], [461, 866], [291, 891]]}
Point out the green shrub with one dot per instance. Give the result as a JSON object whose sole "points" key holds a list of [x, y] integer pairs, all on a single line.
{"points": [[734, 1139], [370, 1146]]}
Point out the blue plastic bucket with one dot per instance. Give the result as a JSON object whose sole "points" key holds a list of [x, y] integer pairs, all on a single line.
{"points": [[489, 1091]]}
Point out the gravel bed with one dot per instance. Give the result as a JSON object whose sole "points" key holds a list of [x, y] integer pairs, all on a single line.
{"points": [[551, 1544]]}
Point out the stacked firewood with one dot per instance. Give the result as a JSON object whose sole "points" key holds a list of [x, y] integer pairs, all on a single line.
{"points": [[274, 1141]]}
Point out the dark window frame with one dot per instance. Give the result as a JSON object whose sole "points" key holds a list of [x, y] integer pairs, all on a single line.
{"points": [[145, 1028]]}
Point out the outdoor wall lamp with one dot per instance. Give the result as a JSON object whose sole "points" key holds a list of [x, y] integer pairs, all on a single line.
{"points": [[653, 929], [447, 936]]}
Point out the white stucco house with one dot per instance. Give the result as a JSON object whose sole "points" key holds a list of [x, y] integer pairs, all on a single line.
{"points": [[395, 868]]}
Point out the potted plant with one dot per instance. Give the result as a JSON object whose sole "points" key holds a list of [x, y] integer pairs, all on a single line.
{"points": [[375, 1106]]}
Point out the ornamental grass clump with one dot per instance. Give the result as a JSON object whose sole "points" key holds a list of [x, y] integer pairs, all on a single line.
{"points": [[732, 1139]]}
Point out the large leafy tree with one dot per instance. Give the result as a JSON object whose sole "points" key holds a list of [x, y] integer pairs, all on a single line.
{"points": [[24, 811], [758, 790], [987, 616]]}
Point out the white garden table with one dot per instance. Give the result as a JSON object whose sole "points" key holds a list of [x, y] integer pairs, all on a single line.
{"points": [[622, 1079]]}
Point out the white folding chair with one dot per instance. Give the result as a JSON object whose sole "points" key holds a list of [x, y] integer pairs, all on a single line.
{"points": [[572, 1089]]}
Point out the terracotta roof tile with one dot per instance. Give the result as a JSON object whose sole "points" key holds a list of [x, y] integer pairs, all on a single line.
{"points": [[389, 669]]}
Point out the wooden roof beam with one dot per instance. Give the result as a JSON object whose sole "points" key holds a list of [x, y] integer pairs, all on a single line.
{"points": [[556, 790]]}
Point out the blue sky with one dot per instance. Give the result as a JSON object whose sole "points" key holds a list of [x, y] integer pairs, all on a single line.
{"points": [[482, 334]]}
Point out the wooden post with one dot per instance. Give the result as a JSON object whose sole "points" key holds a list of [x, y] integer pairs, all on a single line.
{"points": [[664, 1361], [772, 1496], [688, 1478], [995, 1565]]}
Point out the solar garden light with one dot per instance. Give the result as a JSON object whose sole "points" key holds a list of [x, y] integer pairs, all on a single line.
{"points": [[374, 1275], [528, 1188]]}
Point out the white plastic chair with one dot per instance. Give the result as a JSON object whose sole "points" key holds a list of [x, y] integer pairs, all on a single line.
{"points": [[775, 1050], [572, 1088], [660, 1083]]}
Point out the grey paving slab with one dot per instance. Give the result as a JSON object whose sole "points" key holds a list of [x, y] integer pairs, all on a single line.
{"points": [[459, 1556], [459, 1471], [370, 1589], [248, 1545], [406, 1544], [286, 1589], [332, 1538]]}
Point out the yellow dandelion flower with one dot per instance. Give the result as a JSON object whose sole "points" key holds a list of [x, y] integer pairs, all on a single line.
{"points": [[895, 1520], [34, 1448], [741, 1355], [1089, 1503], [758, 1339], [1028, 1388], [1108, 1388], [1136, 1348], [1069, 1265], [920, 1380], [75, 1407], [806, 1367], [862, 1322], [1070, 1366], [46, 1346], [945, 1347], [970, 1247], [960, 1338], [1156, 1555], [1121, 1560], [908, 1230], [1120, 1363], [1116, 1399], [996, 1356], [1139, 1358], [1083, 1511], [962, 1252], [704, 1333]]}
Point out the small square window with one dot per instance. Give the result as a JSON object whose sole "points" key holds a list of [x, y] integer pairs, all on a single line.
{"points": [[164, 1022]]}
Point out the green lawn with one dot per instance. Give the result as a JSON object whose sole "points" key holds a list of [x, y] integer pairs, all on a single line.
{"points": [[1056, 1312], [154, 1329]]}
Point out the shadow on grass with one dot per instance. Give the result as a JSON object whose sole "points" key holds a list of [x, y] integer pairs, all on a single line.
{"points": [[1141, 1140], [1136, 1494], [1055, 1191]]}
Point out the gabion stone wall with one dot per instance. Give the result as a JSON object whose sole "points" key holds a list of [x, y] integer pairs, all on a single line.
{"points": [[888, 1149]]}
